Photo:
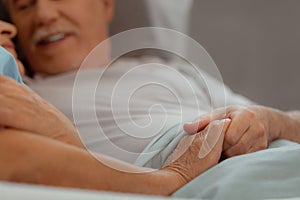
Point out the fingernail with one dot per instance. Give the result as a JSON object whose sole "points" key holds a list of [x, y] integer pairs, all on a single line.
{"points": [[225, 120]]}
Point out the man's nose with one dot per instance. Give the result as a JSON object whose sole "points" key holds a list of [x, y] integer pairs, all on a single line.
{"points": [[8, 30], [46, 13]]}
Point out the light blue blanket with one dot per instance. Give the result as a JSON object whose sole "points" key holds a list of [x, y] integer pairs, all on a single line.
{"points": [[8, 65], [272, 173]]}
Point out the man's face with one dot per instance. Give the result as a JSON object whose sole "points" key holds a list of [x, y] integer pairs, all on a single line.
{"points": [[56, 35]]}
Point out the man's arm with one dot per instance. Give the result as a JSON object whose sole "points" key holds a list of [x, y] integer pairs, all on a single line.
{"points": [[31, 158], [252, 128], [291, 129]]}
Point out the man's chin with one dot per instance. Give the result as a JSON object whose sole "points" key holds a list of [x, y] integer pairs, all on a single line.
{"points": [[55, 69]]}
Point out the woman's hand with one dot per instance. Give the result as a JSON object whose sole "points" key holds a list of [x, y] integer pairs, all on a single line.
{"points": [[22, 109], [249, 131], [197, 153]]}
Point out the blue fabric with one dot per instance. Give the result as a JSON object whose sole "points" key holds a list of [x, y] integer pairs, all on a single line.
{"points": [[8, 65], [269, 174], [157, 152]]}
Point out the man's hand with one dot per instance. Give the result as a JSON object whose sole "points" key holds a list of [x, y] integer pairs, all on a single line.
{"points": [[248, 131], [22, 109], [197, 153]]}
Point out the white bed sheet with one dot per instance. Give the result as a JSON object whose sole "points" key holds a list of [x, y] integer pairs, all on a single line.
{"points": [[251, 176], [10, 191]]}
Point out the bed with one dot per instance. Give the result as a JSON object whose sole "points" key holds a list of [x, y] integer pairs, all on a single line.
{"points": [[270, 174], [273, 173]]}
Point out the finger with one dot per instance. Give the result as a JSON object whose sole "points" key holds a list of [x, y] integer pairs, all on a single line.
{"points": [[20, 111], [237, 128], [242, 146], [197, 126], [204, 120], [213, 137], [5, 79], [14, 115], [252, 139], [10, 87]]}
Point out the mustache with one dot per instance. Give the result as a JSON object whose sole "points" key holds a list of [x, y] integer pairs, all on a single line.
{"points": [[44, 32]]}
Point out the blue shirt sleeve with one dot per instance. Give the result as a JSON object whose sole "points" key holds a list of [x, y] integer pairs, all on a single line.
{"points": [[8, 65]]}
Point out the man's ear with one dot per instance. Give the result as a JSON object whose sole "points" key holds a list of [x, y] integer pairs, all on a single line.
{"points": [[109, 7]]}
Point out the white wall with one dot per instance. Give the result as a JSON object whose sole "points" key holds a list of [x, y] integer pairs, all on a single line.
{"points": [[255, 44]]}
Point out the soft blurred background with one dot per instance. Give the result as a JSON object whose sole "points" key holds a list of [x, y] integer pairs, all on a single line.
{"points": [[255, 43]]}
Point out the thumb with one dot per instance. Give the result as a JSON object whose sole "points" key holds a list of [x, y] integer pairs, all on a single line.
{"points": [[196, 126], [214, 137]]}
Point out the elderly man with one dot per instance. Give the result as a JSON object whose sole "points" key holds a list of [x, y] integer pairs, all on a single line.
{"points": [[56, 36]]}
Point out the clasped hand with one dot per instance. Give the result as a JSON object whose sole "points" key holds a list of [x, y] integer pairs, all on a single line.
{"points": [[248, 131]]}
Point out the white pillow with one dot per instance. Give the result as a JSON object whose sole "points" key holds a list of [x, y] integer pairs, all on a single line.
{"points": [[172, 14]]}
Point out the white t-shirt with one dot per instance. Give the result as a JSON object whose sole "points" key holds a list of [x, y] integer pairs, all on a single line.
{"points": [[119, 110]]}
